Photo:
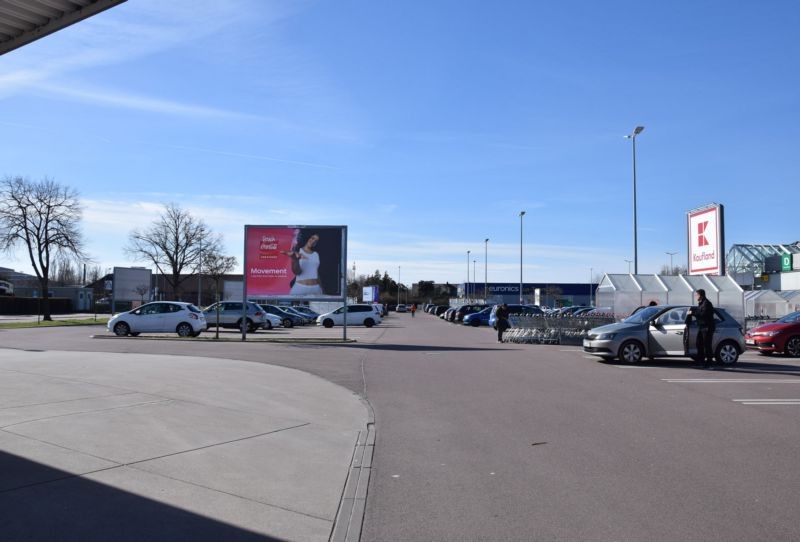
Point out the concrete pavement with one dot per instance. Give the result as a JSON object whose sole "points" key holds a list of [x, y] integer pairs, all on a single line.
{"points": [[97, 446]]}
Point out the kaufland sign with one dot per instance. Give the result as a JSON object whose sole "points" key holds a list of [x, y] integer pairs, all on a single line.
{"points": [[706, 227]]}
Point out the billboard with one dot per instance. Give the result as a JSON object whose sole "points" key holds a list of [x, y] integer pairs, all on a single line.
{"points": [[706, 238], [294, 262], [131, 284], [370, 294]]}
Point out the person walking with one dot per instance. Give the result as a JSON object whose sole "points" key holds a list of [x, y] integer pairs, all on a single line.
{"points": [[704, 314], [501, 321], [413, 309]]}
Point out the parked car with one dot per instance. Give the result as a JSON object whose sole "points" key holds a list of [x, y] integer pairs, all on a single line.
{"points": [[230, 315], [446, 314], [440, 309], [287, 319], [514, 310], [402, 308], [306, 311], [662, 331], [357, 315], [6, 288], [160, 317], [305, 318], [477, 319], [464, 310], [781, 336]]}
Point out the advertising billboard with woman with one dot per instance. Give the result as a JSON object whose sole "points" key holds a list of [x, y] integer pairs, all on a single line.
{"points": [[295, 262]]}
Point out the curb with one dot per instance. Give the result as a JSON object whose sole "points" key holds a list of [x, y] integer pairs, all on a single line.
{"points": [[353, 505]]}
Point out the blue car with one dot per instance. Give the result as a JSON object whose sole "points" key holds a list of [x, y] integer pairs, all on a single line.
{"points": [[477, 319]]}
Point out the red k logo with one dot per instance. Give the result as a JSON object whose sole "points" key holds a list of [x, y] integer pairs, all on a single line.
{"points": [[702, 240]]}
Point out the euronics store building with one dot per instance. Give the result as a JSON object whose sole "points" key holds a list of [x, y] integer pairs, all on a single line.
{"points": [[548, 294]]}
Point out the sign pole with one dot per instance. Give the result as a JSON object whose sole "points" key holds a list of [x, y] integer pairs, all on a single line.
{"points": [[344, 282]]}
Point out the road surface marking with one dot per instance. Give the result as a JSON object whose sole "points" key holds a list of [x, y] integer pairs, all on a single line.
{"points": [[729, 381], [767, 401]]}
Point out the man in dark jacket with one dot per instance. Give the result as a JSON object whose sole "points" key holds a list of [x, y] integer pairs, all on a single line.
{"points": [[501, 321], [704, 314]]}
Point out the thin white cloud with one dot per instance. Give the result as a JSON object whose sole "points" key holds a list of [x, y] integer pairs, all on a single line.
{"points": [[129, 100], [253, 156]]}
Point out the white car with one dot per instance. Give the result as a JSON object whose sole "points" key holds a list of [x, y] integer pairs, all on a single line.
{"points": [[271, 321], [160, 317], [402, 308], [357, 315]]}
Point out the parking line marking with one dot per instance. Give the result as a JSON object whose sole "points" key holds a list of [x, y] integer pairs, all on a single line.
{"points": [[728, 381], [767, 401], [777, 403]]}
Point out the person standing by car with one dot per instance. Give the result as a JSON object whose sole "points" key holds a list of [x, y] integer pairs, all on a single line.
{"points": [[413, 309], [501, 321], [704, 314]]}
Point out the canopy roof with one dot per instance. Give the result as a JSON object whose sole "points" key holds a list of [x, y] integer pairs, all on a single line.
{"points": [[25, 21]]}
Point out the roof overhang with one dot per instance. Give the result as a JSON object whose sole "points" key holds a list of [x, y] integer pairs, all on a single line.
{"points": [[25, 21]]}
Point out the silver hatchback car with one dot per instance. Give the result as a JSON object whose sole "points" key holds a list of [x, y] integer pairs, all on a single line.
{"points": [[662, 331]]}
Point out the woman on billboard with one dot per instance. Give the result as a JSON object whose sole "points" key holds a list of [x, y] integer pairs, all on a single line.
{"points": [[305, 264]]}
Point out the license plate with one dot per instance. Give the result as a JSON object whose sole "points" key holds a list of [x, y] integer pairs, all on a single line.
{"points": [[750, 341]]}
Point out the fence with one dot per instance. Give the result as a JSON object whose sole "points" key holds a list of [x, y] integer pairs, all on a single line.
{"points": [[552, 330]]}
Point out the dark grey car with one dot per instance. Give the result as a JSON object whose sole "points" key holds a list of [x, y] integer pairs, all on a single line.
{"points": [[662, 331]]}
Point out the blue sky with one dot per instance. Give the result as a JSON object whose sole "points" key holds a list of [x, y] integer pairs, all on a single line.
{"points": [[424, 126]]}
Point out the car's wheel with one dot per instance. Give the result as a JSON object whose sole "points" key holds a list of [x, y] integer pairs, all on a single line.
{"points": [[122, 329], [327, 322], [475, 322], [727, 353], [184, 330], [369, 322], [287, 322], [631, 352], [134, 333], [765, 352], [267, 325], [792, 347]]}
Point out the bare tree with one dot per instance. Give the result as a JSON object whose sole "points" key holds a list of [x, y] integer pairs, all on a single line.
{"points": [[142, 290], [676, 270], [95, 272], [215, 265], [65, 274], [44, 216], [174, 243]]}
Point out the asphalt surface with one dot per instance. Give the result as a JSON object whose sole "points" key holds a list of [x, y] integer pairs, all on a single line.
{"points": [[484, 441]]}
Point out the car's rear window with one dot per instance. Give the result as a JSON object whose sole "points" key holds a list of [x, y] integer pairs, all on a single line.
{"points": [[191, 308]]}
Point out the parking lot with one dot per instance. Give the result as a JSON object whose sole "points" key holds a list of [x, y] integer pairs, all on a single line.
{"points": [[480, 440]]}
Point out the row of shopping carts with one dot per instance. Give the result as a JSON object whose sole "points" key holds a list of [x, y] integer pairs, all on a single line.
{"points": [[550, 330]]}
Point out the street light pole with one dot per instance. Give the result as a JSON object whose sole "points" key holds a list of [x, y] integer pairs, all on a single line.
{"points": [[591, 274], [485, 270], [521, 214], [398, 286], [466, 284], [629, 265], [474, 279], [671, 254], [632, 137]]}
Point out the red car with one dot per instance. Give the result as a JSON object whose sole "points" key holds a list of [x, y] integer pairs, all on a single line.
{"points": [[781, 336]]}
